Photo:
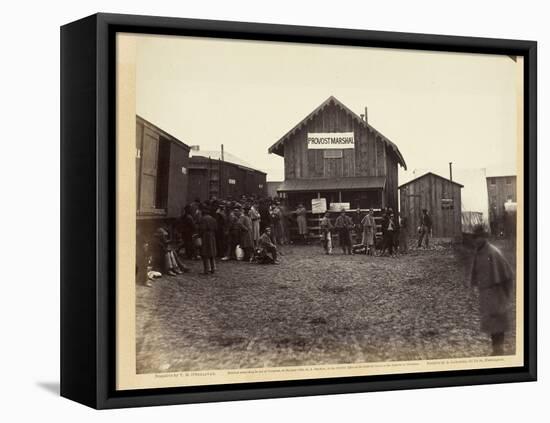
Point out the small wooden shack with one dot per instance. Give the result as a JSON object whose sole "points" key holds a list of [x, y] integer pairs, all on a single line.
{"points": [[441, 197], [335, 154], [223, 175], [162, 163]]}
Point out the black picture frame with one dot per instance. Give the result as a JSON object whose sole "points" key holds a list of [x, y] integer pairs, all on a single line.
{"points": [[88, 209]]}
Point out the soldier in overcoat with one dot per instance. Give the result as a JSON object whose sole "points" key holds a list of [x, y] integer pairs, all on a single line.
{"points": [[492, 275], [207, 232]]}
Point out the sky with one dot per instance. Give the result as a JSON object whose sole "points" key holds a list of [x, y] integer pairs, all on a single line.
{"points": [[436, 107]]}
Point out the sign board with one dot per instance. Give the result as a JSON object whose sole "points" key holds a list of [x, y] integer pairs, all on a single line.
{"points": [[447, 203], [231, 181], [339, 206], [318, 205], [330, 140]]}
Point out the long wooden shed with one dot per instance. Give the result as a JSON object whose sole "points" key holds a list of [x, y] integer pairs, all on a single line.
{"points": [[223, 175], [441, 197]]}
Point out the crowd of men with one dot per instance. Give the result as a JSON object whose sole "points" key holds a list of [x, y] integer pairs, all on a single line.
{"points": [[253, 229], [248, 229]]}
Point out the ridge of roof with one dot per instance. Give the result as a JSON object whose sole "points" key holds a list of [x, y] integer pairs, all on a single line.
{"points": [[329, 100], [430, 173]]}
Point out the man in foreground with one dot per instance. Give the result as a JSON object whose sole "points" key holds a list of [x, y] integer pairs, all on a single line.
{"points": [[494, 278]]}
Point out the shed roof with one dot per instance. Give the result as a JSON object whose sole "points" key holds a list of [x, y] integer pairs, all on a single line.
{"points": [[332, 184], [433, 174], [217, 155], [278, 149]]}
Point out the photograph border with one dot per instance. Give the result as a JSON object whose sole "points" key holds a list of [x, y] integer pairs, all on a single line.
{"points": [[88, 209]]}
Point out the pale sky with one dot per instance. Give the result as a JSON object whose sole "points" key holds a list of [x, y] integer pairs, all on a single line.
{"points": [[436, 107]]}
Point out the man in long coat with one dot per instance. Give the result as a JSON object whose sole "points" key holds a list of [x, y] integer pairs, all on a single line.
{"points": [[301, 219], [494, 278], [369, 231], [207, 233], [245, 227]]}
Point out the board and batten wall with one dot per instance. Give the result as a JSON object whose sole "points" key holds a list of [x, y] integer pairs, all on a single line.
{"points": [[161, 164], [428, 192], [370, 157]]}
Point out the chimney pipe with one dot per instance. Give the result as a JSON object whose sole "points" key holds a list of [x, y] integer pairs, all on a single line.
{"points": [[222, 153], [366, 115], [451, 171]]}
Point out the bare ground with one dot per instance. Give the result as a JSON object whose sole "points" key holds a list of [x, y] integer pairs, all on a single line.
{"points": [[311, 309]]}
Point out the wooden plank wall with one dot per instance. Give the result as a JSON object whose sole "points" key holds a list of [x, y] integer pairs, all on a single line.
{"points": [[178, 181], [391, 191], [368, 158], [499, 193], [247, 182], [427, 193], [198, 184]]}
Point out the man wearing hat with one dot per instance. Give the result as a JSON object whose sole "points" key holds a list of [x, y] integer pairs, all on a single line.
{"points": [[494, 279], [424, 229], [344, 225], [369, 231]]}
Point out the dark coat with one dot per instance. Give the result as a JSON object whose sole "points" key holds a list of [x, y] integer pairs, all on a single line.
{"points": [[207, 232], [245, 227], [492, 274]]}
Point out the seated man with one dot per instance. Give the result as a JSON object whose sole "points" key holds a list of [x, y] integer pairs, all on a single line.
{"points": [[267, 246]]}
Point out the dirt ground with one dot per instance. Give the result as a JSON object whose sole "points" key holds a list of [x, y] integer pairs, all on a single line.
{"points": [[312, 309]]}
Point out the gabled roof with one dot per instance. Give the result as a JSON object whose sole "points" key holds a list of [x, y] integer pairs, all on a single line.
{"points": [[278, 149], [433, 174]]}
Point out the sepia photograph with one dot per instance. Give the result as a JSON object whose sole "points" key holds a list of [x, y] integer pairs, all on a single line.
{"points": [[301, 211]]}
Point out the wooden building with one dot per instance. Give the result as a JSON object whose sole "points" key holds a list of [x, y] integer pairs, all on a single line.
{"points": [[335, 154], [213, 174], [500, 190], [162, 163], [441, 197]]}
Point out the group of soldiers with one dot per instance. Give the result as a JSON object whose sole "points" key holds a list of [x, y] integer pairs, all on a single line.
{"points": [[393, 237], [249, 229], [253, 229]]}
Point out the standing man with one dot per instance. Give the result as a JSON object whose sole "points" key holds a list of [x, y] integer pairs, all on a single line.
{"points": [[188, 229], [233, 235], [207, 233], [357, 226], [221, 230], [404, 234], [254, 215], [326, 236], [391, 230], [493, 277], [275, 218], [301, 219], [369, 231], [344, 225], [425, 229], [245, 240]]}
